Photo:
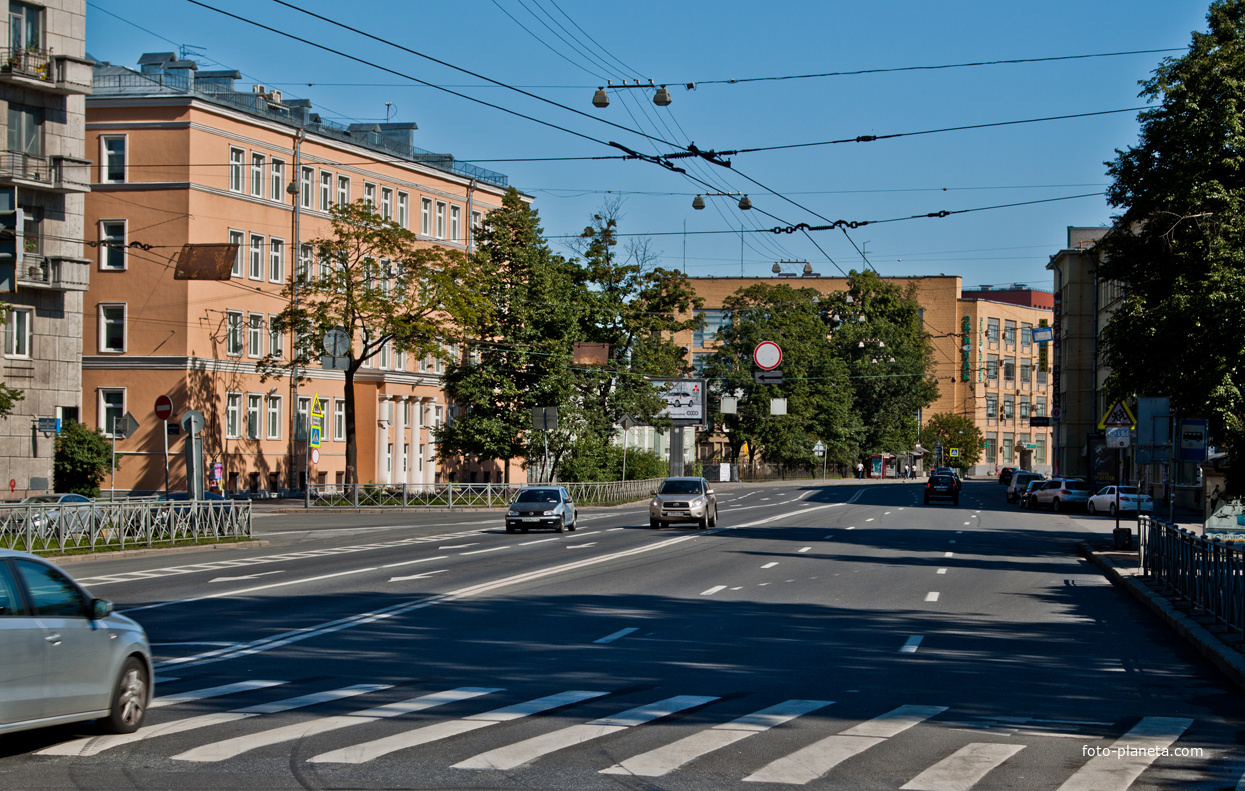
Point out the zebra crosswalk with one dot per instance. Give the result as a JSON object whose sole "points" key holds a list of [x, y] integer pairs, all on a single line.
{"points": [[805, 753]]}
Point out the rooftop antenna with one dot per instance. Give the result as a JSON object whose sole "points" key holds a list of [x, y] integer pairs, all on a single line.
{"points": [[185, 51], [387, 106]]}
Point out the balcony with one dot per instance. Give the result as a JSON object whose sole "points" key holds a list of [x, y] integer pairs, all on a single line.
{"points": [[41, 70], [54, 174], [54, 273]]}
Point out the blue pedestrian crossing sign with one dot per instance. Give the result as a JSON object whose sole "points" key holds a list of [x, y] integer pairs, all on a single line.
{"points": [[954, 452], [315, 437]]}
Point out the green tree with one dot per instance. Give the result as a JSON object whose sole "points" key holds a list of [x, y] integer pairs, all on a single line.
{"points": [[523, 356], [81, 458], [815, 381], [954, 431], [1179, 243], [375, 282], [9, 396]]}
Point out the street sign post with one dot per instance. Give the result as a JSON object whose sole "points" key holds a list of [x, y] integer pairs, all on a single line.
{"points": [[164, 411], [192, 423], [122, 427]]}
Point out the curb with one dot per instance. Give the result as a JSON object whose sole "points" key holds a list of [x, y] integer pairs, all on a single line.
{"points": [[1230, 662], [134, 553]]}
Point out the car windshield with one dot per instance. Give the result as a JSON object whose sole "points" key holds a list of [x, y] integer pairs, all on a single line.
{"points": [[43, 498], [943, 480], [680, 487], [537, 496], [1076, 486]]}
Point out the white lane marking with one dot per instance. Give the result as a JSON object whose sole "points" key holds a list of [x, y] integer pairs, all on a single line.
{"points": [[245, 577], [229, 748], [529, 750], [856, 496], [490, 549], [961, 531], [902, 509], [870, 519], [581, 546], [910, 646], [964, 768], [367, 751], [765, 499], [805, 549], [612, 529], [713, 590], [885, 513], [412, 562], [541, 541], [224, 594], [770, 565], [942, 571], [586, 532], [418, 576], [948, 554], [931, 596], [191, 642], [667, 758], [460, 546], [805, 765], [853, 527], [741, 587], [211, 692], [609, 638], [1129, 756], [93, 745], [824, 538]]}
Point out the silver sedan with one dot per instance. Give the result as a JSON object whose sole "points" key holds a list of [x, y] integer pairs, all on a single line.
{"points": [[683, 500]]}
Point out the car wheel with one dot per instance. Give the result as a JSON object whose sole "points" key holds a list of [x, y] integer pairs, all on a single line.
{"points": [[927, 500], [561, 525], [129, 699], [714, 521], [1111, 509], [1091, 509], [509, 529], [1054, 505], [653, 524], [703, 524], [955, 501], [574, 519]]}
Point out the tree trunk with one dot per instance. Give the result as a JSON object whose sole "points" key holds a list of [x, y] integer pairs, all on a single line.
{"points": [[352, 445]]}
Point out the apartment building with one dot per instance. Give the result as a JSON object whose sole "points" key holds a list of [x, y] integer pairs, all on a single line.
{"points": [[44, 79], [1000, 380], [185, 156]]}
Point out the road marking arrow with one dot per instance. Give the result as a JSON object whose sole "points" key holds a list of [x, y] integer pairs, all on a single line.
{"points": [[416, 576], [247, 577]]}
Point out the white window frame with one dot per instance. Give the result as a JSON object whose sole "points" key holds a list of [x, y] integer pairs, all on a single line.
{"points": [[259, 163], [255, 335], [386, 202], [255, 258], [440, 220], [456, 223], [339, 420], [254, 415], [404, 209], [107, 251], [305, 262], [276, 260], [104, 322], [233, 415], [369, 194], [425, 216], [326, 190], [476, 219], [237, 159], [343, 190], [233, 333], [276, 179], [239, 261], [306, 184], [19, 334], [276, 342], [102, 407], [273, 411], [106, 158]]}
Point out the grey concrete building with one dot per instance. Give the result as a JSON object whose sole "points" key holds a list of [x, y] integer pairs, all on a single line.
{"points": [[44, 174]]}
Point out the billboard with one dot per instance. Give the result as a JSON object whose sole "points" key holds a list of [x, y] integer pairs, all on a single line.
{"points": [[685, 400]]}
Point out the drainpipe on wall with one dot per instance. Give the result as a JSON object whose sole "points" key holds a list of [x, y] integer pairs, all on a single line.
{"points": [[471, 236]]}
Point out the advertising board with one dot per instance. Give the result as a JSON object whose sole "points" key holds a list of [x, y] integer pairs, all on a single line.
{"points": [[685, 400]]}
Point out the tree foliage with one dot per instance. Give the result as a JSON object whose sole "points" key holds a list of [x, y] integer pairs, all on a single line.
{"points": [[1179, 243], [81, 458], [954, 431]]}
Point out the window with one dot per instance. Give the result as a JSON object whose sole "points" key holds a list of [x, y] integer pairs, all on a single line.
{"points": [[440, 220], [252, 416], [305, 178], [384, 357], [992, 333], [274, 417], [52, 594], [425, 216], [369, 195], [455, 223], [404, 210], [257, 258], [714, 320], [236, 237], [1007, 448], [1009, 334], [235, 169], [476, 219], [1026, 372], [112, 158], [111, 408], [112, 249], [1041, 378], [112, 327], [992, 367], [1009, 370], [233, 415], [1009, 407], [304, 262], [326, 190], [276, 262], [386, 202], [1039, 455], [276, 343], [991, 449], [343, 190], [257, 174], [339, 420], [25, 129], [277, 182], [18, 336], [233, 333], [992, 407], [698, 362], [1025, 406], [255, 335], [32, 230], [1026, 337], [1039, 408], [25, 26]]}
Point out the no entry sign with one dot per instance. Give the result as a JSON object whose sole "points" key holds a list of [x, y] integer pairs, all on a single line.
{"points": [[164, 407]]}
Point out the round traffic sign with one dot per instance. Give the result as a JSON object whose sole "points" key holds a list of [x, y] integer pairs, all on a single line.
{"points": [[767, 355], [336, 342], [315, 455], [1056, 413], [164, 407], [192, 422]]}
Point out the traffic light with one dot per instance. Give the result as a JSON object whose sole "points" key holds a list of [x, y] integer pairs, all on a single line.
{"points": [[11, 248]]}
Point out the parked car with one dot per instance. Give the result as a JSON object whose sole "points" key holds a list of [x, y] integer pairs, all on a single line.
{"points": [[943, 487], [67, 656], [72, 516], [1026, 497], [1060, 494], [1020, 482], [683, 500], [541, 506], [219, 503], [1130, 499], [1005, 474]]}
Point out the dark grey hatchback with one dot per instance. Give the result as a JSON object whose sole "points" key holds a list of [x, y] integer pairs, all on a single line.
{"points": [[943, 487], [541, 506]]}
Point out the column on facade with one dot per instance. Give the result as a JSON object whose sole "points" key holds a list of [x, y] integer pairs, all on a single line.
{"points": [[384, 471], [401, 461], [427, 441]]}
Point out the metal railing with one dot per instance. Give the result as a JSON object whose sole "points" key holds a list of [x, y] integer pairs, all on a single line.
{"points": [[57, 528], [29, 62], [470, 495], [25, 167], [1209, 574]]}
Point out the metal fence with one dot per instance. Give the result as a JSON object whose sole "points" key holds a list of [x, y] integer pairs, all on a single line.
{"points": [[56, 528], [470, 495], [1209, 574]]}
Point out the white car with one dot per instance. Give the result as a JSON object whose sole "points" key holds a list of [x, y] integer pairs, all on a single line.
{"points": [[1130, 500]]}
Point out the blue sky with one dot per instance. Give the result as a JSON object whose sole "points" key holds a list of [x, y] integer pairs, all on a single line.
{"points": [[708, 42]]}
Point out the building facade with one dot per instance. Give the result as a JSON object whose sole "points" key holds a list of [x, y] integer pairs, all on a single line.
{"points": [[44, 79], [187, 157], [999, 381]]}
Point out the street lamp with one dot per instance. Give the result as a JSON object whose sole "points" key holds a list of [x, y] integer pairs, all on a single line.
{"points": [[601, 99], [698, 202]]}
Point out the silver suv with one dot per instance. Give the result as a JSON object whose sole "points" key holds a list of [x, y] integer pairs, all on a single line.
{"points": [[1060, 493], [683, 500]]}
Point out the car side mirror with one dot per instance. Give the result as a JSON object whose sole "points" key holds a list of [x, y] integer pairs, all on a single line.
{"points": [[100, 609], [708, 491], [653, 492]]}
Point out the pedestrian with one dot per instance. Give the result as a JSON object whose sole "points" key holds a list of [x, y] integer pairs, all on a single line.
{"points": [[860, 470], [907, 471]]}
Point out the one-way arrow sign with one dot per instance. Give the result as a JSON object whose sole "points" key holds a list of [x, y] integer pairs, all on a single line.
{"points": [[767, 377]]}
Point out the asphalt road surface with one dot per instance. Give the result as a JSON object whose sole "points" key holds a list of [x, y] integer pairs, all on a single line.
{"points": [[842, 636]]}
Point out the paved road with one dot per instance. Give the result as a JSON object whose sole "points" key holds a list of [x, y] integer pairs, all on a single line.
{"points": [[828, 637]]}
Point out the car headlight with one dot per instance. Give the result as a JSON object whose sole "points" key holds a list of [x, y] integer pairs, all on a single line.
{"points": [[699, 501], [655, 502], [550, 513], [512, 513]]}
